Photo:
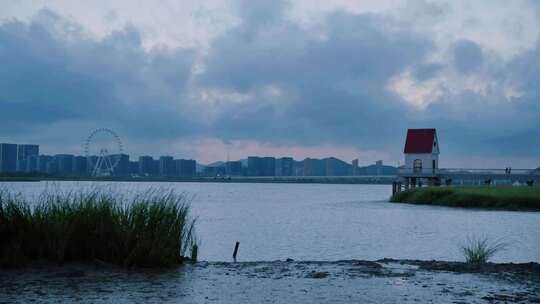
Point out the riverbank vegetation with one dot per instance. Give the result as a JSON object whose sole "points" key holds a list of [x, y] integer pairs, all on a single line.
{"points": [[494, 197], [149, 229], [478, 250]]}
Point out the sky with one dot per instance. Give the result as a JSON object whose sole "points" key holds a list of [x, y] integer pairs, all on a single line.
{"points": [[203, 79]]}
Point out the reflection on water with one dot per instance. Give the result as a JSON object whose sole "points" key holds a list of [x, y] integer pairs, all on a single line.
{"points": [[333, 222]]}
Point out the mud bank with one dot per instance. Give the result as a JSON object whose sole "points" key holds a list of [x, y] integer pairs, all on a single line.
{"points": [[383, 281]]}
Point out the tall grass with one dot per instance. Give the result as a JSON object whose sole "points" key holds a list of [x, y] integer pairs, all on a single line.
{"points": [[498, 197], [478, 250], [152, 228]]}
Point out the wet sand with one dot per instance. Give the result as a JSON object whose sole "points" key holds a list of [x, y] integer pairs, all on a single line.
{"points": [[383, 281]]}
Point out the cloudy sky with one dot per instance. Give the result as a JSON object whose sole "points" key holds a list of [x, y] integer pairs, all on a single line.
{"points": [[300, 78]]}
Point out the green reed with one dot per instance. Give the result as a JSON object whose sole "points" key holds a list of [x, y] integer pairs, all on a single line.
{"points": [[496, 197], [152, 228], [478, 250]]}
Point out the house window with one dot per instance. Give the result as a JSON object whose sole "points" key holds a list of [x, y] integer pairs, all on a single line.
{"points": [[417, 165]]}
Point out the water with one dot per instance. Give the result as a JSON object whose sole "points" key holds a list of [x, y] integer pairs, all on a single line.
{"points": [[333, 222]]}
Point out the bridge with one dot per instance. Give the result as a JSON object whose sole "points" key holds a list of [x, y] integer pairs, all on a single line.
{"points": [[435, 176]]}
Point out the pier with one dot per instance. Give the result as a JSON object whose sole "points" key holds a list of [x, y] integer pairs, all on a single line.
{"points": [[417, 177]]}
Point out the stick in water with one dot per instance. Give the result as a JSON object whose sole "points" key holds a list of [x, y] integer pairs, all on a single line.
{"points": [[235, 250]]}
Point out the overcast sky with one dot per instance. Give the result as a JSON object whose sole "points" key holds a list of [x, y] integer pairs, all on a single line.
{"points": [[299, 78]]}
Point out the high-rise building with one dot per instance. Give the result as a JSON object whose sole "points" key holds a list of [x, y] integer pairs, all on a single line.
{"points": [[64, 163], [52, 167], [233, 168], [185, 167], [261, 166], [314, 167], [134, 168], [254, 167], [43, 163], [166, 166], [146, 165], [80, 166], [31, 163], [286, 166], [155, 167], [122, 167], [8, 158], [379, 166], [23, 152], [354, 170], [268, 166]]}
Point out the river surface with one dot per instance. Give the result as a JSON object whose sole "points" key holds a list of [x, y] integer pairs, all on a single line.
{"points": [[332, 222]]}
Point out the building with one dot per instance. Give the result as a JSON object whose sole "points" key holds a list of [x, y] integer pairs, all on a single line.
{"points": [[379, 166], [31, 163], [122, 167], [286, 166], [268, 166], [133, 168], [166, 166], [43, 163], [254, 167], [23, 152], [52, 167], [146, 165], [80, 166], [354, 170], [185, 167], [233, 168], [8, 158], [64, 163], [421, 150], [314, 167]]}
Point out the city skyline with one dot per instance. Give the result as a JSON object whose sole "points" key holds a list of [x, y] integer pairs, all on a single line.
{"points": [[26, 160], [301, 79]]}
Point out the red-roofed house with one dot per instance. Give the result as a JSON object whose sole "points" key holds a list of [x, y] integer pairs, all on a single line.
{"points": [[421, 150]]}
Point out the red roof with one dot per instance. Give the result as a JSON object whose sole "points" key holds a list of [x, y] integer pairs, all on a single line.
{"points": [[419, 141]]}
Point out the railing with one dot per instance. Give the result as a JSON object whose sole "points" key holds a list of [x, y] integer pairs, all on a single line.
{"points": [[442, 171]]}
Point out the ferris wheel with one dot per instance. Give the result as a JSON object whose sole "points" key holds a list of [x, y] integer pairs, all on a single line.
{"points": [[102, 150]]}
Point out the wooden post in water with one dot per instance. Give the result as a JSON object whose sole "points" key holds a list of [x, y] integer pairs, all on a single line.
{"points": [[194, 251], [235, 250]]}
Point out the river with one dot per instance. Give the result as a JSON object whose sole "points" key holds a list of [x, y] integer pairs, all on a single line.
{"points": [[332, 222]]}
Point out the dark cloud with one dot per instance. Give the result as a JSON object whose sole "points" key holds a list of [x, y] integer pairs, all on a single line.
{"points": [[269, 80], [334, 87], [51, 72]]}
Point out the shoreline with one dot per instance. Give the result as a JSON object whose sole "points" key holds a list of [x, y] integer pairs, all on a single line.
{"points": [[381, 281], [531, 267]]}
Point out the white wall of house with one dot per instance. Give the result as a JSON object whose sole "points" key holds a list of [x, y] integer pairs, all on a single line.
{"points": [[426, 158]]}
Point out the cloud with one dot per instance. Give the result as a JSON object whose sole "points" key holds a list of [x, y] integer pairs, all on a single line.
{"points": [[467, 56], [352, 82], [52, 72]]}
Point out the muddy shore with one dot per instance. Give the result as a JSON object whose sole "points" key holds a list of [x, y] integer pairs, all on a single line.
{"points": [[382, 281]]}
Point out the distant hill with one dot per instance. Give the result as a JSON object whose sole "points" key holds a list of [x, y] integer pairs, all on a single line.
{"points": [[216, 164], [200, 167]]}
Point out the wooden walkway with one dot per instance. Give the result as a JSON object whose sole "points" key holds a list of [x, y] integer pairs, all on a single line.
{"points": [[413, 177]]}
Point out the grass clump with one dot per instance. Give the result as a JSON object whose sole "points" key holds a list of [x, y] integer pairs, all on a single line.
{"points": [[153, 228], [494, 197], [479, 250]]}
